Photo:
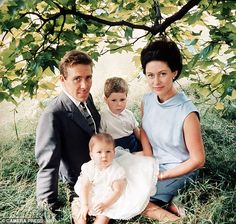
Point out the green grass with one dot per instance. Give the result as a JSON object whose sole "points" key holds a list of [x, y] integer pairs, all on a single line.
{"points": [[211, 200]]}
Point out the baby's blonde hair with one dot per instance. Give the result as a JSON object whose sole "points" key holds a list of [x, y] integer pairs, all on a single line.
{"points": [[101, 137]]}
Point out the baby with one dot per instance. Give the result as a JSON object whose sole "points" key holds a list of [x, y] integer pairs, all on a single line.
{"points": [[102, 180], [114, 184]]}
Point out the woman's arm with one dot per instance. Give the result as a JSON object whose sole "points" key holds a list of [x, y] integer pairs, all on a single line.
{"points": [[194, 144], [117, 189], [137, 133], [147, 148]]}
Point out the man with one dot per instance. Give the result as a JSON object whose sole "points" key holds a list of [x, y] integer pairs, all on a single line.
{"points": [[65, 129]]}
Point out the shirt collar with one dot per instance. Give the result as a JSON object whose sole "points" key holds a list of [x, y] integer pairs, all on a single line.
{"points": [[116, 115], [76, 102]]}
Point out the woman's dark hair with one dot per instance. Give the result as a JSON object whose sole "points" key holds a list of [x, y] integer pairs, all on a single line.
{"points": [[163, 50]]}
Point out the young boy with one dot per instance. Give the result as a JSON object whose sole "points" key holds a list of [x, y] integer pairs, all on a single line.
{"points": [[118, 121]]}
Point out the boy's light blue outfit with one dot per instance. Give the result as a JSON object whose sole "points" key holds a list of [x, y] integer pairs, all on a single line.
{"points": [[163, 124]]}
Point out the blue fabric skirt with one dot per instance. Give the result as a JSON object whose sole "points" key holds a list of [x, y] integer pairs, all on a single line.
{"points": [[167, 189]]}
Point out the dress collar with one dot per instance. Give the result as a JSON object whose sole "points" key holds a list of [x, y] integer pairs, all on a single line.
{"points": [[174, 101]]}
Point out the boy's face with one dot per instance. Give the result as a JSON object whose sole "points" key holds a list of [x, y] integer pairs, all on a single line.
{"points": [[102, 154], [116, 102]]}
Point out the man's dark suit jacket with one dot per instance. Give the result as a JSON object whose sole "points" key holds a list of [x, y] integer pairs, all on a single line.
{"points": [[62, 139]]}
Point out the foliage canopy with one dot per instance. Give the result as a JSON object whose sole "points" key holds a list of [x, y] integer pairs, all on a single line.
{"points": [[35, 34]]}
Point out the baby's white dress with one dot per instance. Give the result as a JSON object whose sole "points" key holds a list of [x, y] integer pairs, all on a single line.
{"points": [[140, 173]]}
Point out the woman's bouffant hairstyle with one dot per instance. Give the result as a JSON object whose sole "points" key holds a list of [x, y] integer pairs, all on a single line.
{"points": [[115, 85], [71, 58], [101, 137], [163, 50]]}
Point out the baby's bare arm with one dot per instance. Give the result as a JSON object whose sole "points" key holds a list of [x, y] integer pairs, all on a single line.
{"points": [[85, 189]]}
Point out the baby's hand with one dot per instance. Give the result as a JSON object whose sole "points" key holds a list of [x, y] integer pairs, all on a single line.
{"points": [[99, 208], [84, 212]]}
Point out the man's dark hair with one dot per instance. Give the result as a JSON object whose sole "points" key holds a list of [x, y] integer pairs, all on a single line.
{"points": [[72, 58]]}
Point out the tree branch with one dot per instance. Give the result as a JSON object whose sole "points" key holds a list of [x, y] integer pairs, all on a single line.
{"points": [[155, 29], [177, 16], [126, 45], [112, 23]]}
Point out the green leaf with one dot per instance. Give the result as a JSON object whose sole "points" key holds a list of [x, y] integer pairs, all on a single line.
{"points": [[215, 80], [17, 90], [48, 72], [64, 2], [205, 53], [219, 106], [128, 33], [47, 85], [69, 36], [169, 10], [95, 55], [193, 42], [25, 41], [232, 36], [204, 92], [231, 27], [130, 6], [205, 64], [112, 46], [3, 96], [218, 62], [193, 18], [196, 34], [194, 60], [83, 27]]}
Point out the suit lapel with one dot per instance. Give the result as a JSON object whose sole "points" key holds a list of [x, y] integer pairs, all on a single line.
{"points": [[74, 113], [94, 112]]}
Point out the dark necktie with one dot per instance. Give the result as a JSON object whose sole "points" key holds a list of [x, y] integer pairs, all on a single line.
{"points": [[88, 117]]}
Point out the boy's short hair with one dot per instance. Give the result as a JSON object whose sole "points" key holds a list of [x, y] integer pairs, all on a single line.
{"points": [[74, 57], [101, 137], [115, 85]]}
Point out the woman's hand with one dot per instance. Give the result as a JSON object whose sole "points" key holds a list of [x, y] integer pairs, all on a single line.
{"points": [[162, 175]]}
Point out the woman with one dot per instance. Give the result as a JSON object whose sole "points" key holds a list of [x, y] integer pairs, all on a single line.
{"points": [[170, 125]]}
